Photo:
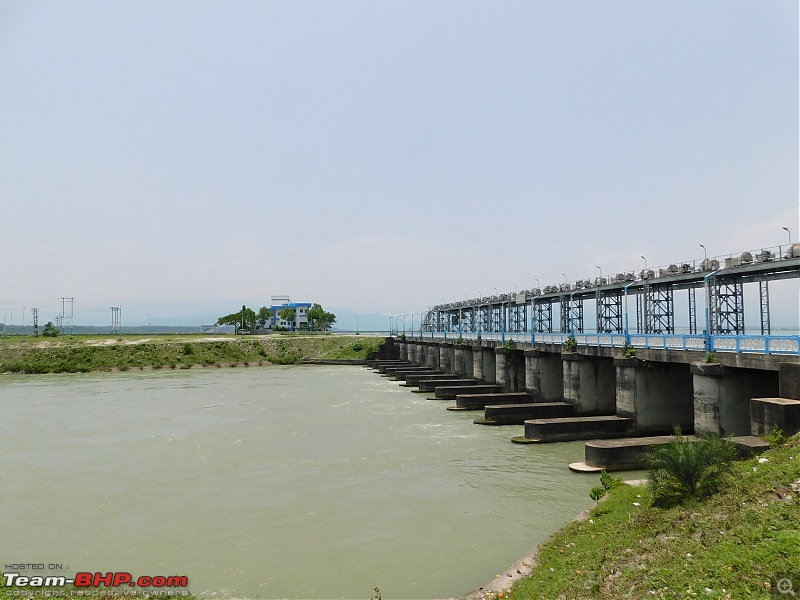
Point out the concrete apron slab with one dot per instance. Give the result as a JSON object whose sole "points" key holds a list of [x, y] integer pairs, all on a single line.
{"points": [[472, 401], [517, 414], [627, 454], [573, 428], [449, 392]]}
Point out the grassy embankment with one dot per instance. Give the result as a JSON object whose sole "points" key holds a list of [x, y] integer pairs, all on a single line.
{"points": [[104, 353], [730, 545]]}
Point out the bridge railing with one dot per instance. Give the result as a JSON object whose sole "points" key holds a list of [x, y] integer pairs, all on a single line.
{"points": [[759, 344]]}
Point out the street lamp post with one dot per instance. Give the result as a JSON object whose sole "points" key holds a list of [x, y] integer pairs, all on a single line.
{"points": [[786, 229]]}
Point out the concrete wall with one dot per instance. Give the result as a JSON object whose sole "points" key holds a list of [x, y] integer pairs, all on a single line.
{"points": [[589, 383], [722, 397], [544, 375], [657, 396]]}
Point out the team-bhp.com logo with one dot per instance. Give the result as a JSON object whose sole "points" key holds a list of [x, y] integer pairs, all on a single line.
{"points": [[88, 580]]}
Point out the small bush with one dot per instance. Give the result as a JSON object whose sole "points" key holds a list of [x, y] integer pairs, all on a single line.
{"points": [[571, 344], [711, 357], [776, 438], [607, 482], [628, 351], [187, 349]]}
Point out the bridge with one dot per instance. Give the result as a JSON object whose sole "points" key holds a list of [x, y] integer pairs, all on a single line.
{"points": [[634, 374], [530, 315]]}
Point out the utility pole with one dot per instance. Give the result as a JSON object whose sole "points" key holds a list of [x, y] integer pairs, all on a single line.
{"points": [[35, 322], [68, 319], [116, 320]]}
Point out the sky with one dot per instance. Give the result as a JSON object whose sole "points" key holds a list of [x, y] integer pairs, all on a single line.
{"points": [[180, 159]]}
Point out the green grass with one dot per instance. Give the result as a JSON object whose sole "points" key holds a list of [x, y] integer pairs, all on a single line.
{"points": [[736, 541], [103, 353]]}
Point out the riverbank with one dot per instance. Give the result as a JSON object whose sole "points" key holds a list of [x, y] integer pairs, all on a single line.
{"points": [[82, 354], [739, 543]]}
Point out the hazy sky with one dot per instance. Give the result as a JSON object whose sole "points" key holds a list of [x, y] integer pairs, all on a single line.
{"points": [[188, 157]]}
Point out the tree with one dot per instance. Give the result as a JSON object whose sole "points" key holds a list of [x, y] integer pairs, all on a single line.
{"points": [[263, 317], [287, 314], [50, 330], [242, 318], [319, 319]]}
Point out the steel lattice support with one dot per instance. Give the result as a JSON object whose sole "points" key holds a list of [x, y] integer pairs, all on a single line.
{"points": [[609, 312], [639, 313], [659, 316], [727, 307], [483, 318], [571, 314], [692, 311], [543, 317], [518, 318], [496, 320], [468, 319], [763, 294]]}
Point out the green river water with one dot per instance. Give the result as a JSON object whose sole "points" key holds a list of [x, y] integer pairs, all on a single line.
{"points": [[274, 482]]}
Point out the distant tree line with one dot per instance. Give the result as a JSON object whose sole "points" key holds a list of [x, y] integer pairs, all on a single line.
{"points": [[246, 318]]}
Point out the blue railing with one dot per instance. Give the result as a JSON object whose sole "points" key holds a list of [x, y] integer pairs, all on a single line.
{"points": [[757, 344]]}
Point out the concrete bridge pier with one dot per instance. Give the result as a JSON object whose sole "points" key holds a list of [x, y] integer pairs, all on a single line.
{"points": [[483, 363], [722, 397], [403, 350], [589, 383], [463, 360], [411, 352], [446, 357], [656, 395], [422, 354], [509, 369], [783, 412], [544, 375], [432, 353]]}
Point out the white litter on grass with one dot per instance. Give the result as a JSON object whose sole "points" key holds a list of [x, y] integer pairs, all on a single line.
{"points": [[763, 460]]}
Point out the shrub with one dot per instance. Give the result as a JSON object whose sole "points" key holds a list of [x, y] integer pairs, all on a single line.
{"points": [[684, 468], [628, 351], [607, 482], [187, 349], [571, 344], [776, 437]]}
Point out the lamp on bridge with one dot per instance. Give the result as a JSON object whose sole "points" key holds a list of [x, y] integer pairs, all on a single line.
{"points": [[786, 229]]}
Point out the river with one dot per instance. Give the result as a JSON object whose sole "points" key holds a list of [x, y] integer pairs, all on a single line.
{"points": [[276, 482]]}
